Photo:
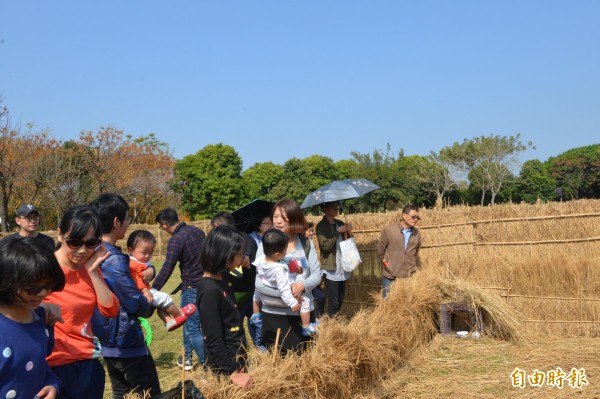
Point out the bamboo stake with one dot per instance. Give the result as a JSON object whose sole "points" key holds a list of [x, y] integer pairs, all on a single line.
{"points": [[276, 347], [183, 372], [581, 301]]}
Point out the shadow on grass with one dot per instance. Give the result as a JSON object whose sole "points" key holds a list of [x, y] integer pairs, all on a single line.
{"points": [[166, 359]]}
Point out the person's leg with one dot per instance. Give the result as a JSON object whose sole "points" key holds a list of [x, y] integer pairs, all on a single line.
{"points": [[118, 382], [81, 379], [333, 297], [319, 297], [192, 331], [254, 330], [136, 374], [385, 284], [172, 311], [342, 295]]}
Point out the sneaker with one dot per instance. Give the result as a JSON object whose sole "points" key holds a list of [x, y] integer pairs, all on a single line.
{"points": [[175, 323], [310, 330], [188, 310], [256, 319], [188, 364]]}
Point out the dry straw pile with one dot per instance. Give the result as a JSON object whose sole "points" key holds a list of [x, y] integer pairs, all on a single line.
{"points": [[354, 357]]}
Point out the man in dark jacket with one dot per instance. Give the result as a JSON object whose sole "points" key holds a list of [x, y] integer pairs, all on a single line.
{"points": [[398, 247], [129, 363]]}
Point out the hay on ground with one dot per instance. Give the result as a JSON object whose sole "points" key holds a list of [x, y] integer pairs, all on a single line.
{"points": [[350, 357]]}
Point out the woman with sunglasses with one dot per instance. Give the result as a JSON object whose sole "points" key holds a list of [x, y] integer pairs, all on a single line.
{"points": [[76, 352]]}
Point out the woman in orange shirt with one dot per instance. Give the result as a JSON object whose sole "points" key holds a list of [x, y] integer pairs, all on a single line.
{"points": [[76, 352]]}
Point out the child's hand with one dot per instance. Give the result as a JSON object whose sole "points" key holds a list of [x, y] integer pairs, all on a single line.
{"points": [[148, 275], [97, 258], [242, 379], [52, 312], [296, 307], [148, 295], [47, 392]]}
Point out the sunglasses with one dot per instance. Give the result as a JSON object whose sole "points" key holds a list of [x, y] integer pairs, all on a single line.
{"points": [[76, 243], [37, 289], [413, 217]]}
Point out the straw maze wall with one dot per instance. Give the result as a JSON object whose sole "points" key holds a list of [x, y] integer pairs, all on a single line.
{"points": [[547, 267]]}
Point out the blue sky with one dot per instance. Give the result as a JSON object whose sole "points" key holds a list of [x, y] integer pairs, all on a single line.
{"points": [[281, 79]]}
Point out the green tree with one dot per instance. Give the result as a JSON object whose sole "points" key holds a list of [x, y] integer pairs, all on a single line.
{"points": [[435, 176], [534, 183], [492, 156], [209, 181], [408, 179], [346, 169], [301, 176], [577, 171], [259, 180], [380, 167]]}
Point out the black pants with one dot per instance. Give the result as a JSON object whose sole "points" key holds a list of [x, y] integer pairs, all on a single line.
{"points": [[335, 291], [290, 337], [135, 374], [319, 297]]}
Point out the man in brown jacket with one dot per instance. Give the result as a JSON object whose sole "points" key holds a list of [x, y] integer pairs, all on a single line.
{"points": [[398, 247]]}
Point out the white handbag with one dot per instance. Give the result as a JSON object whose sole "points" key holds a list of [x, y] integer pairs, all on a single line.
{"points": [[350, 257]]}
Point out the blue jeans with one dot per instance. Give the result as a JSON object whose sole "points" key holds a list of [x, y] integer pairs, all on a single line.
{"points": [[192, 330], [254, 330], [385, 283]]}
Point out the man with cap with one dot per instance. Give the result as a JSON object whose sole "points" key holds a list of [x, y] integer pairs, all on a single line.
{"points": [[28, 220]]}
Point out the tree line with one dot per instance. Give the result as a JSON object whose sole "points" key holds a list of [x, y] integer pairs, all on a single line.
{"points": [[54, 174]]}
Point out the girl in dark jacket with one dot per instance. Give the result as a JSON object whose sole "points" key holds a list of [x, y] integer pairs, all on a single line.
{"points": [[224, 336]]}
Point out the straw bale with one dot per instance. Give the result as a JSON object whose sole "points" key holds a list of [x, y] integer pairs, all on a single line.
{"points": [[354, 356]]}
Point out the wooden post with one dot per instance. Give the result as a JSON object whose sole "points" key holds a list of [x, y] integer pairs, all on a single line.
{"points": [[276, 347], [183, 372]]}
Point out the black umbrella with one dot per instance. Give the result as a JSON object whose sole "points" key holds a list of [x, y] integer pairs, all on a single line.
{"points": [[339, 190], [247, 216]]}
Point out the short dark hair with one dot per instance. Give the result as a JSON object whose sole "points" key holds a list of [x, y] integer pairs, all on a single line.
{"points": [[78, 220], [223, 218], [294, 215], [410, 207], [25, 262], [167, 216], [108, 206], [222, 244], [140, 236], [274, 241], [327, 204]]}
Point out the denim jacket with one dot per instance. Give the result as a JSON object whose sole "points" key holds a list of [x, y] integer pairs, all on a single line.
{"points": [[122, 336]]}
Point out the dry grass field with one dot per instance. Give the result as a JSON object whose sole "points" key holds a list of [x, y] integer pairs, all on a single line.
{"points": [[532, 270]]}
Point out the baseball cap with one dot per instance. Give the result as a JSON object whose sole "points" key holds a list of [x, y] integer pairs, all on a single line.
{"points": [[26, 209]]}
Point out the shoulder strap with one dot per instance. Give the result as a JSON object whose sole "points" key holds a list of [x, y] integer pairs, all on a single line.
{"points": [[305, 245]]}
